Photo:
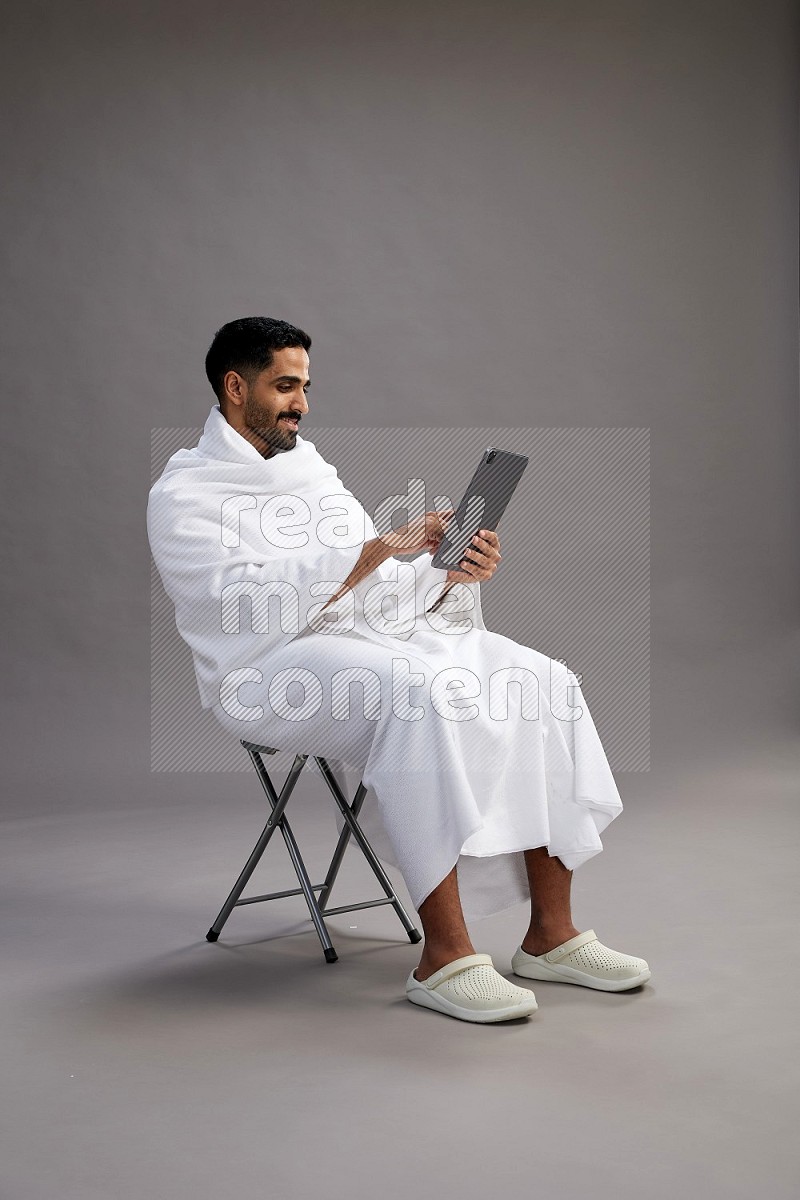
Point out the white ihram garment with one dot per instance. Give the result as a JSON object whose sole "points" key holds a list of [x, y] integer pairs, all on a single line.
{"points": [[460, 766]]}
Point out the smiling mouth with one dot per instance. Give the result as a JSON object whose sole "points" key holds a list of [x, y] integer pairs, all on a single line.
{"points": [[292, 422]]}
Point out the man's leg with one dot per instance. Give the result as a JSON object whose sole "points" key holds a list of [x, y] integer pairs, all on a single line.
{"points": [[446, 936], [551, 916]]}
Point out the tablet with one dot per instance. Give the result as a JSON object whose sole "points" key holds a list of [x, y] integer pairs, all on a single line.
{"points": [[482, 504]]}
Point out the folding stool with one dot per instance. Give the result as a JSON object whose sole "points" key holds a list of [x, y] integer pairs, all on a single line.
{"points": [[278, 820]]}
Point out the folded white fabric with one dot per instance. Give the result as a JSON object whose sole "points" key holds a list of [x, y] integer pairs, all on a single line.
{"points": [[470, 989], [585, 960]]}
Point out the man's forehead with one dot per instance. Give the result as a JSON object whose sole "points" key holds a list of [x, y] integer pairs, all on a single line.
{"points": [[292, 360]]}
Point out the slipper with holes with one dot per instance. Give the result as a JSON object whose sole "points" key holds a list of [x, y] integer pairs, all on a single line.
{"points": [[470, 989], [583, 959]]}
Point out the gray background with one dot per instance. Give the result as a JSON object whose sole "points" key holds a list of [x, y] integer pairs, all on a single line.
{"points": [[550, 215], [539, 215]]}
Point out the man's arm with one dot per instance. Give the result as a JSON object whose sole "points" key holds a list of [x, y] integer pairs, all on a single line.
{"points": [[373, 553], [421, 533]]}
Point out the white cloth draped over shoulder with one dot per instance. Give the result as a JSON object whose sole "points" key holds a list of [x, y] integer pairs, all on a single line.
{"points": [[472, 746]]}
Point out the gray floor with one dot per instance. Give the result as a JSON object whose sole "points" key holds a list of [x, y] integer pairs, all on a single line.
{"points": [[140, 1059]]}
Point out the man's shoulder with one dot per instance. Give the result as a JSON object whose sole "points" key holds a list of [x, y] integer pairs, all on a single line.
{"points": [[178, 471]]}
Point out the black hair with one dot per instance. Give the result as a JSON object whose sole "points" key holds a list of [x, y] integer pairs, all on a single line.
{"points": [[247, 346]]}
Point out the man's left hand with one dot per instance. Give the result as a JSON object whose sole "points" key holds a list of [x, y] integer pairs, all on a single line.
{"points": [[480, 561]]}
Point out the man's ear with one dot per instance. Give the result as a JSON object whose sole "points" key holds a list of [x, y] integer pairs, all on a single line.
{"points": [[234, 389]]}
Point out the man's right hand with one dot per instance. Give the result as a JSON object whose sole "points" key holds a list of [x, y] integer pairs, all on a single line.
{"points": [[423, 533]]}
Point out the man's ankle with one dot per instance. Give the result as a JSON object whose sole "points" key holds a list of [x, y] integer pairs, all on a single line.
{"points": [[542, 938], [434, 958]]}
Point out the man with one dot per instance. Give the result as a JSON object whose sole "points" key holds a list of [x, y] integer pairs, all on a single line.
{"points": [[482, 804]]}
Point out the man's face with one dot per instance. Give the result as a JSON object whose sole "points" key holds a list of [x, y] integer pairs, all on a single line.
{"points": [[259, 411]]}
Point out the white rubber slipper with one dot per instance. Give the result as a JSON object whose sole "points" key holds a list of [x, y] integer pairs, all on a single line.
{"points": [[583, 959], [470, 989]]}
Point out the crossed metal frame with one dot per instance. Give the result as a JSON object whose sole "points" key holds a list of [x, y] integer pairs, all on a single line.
{"points": [[278, 820]]}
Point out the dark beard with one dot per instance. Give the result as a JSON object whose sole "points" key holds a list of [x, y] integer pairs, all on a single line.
{"points": [[268, 431]]}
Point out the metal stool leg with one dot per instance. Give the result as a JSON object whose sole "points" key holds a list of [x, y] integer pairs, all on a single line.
{"points": [[341, 846], [276, 820], [294, 851], [308, 891], [260, 846], [353, 827]]}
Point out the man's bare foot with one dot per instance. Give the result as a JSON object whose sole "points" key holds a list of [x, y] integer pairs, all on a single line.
{"points": [[539, 941]]}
